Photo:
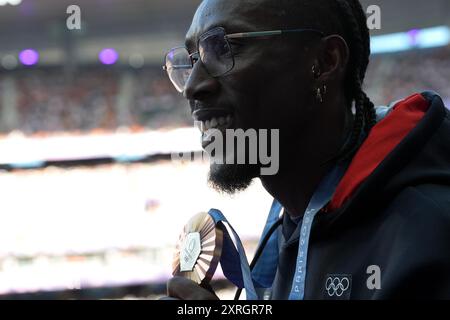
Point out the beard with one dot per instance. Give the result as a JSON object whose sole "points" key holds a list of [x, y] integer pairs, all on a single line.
{"points": [[232, 178]]}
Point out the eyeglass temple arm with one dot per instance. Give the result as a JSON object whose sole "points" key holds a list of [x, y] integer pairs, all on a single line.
{"points": [[253, 34], [267, 33], [183, 66]]}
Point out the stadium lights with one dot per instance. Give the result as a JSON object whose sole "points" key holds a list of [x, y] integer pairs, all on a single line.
{"points": [[136, 61], [433, 37], [413, 39], [108, 56], [388, 43], [29, 57], [9, 62], [10, 2]]}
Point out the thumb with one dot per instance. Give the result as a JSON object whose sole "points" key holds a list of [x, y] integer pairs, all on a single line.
{"points": [[185, 289]]}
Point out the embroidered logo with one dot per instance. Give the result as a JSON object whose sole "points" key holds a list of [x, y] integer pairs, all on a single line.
{"points": [[338, 286]]}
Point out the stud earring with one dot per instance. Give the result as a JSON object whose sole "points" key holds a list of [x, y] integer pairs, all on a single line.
{"points": [[315, 71]]}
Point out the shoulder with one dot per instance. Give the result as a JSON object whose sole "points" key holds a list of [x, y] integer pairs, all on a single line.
{"points": [[436, 197], [419, 241], [424, 213]]}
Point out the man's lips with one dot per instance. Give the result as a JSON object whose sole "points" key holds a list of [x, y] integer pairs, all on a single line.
{"points": [[213, 121], [204, 114], [213, 118]]}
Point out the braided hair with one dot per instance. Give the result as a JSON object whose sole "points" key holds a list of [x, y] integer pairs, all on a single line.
{"points": [[356, 33], [347, 19]]}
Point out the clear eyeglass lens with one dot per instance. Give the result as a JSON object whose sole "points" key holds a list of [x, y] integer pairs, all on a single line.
{"points": [[215, 52], [179, 67]]}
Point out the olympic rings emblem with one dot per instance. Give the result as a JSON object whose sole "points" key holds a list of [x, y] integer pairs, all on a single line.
{"points": [[336, 286]]}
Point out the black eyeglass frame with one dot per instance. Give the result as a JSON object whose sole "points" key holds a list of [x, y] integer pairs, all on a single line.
{"points": [[240, 35]]}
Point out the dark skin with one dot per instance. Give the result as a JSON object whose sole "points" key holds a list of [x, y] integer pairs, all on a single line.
{"points": [[272, 86]]}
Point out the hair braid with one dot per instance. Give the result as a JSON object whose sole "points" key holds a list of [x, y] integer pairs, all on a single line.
{"points": [[357, 36]]}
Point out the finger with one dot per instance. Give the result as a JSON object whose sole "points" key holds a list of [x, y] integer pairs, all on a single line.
{"points": [[207, 286], [185, 289]]}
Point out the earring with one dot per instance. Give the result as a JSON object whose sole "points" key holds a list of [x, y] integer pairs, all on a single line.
{"points": [[319, 96], [320, 93], [315, 71]]}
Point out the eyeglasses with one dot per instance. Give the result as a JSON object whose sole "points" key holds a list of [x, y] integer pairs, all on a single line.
{"points": [[214, 51]]}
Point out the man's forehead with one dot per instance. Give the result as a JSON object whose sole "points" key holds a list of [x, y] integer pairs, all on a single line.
{"points": [[233, 15]]}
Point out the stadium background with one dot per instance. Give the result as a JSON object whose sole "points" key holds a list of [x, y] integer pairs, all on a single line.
{"points": [[91, 205]]}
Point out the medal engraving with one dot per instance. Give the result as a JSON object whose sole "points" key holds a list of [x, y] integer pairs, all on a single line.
{"points": [[190, 251], [198, 250]]}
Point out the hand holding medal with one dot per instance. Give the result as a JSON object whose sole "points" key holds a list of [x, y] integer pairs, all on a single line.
{"points": [[198, 250], [203, 243]]}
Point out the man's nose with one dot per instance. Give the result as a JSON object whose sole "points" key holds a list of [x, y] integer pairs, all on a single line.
{"points": [[200, 85]]}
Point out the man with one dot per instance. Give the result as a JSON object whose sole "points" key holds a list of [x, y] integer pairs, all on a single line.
{"points": [[379, 231]]}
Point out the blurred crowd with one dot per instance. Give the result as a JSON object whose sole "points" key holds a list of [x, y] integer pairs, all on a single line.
{"points": [[52, 100], [394, 76], [108, 98]]}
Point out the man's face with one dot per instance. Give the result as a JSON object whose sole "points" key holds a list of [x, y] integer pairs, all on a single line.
{"points": [[268, 88]]}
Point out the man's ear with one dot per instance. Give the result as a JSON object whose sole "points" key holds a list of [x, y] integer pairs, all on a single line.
{"points": [[333, 58]]}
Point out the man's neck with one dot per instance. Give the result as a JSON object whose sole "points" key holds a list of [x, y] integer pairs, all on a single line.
{"points": [[295, 185], [301, 171]]}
